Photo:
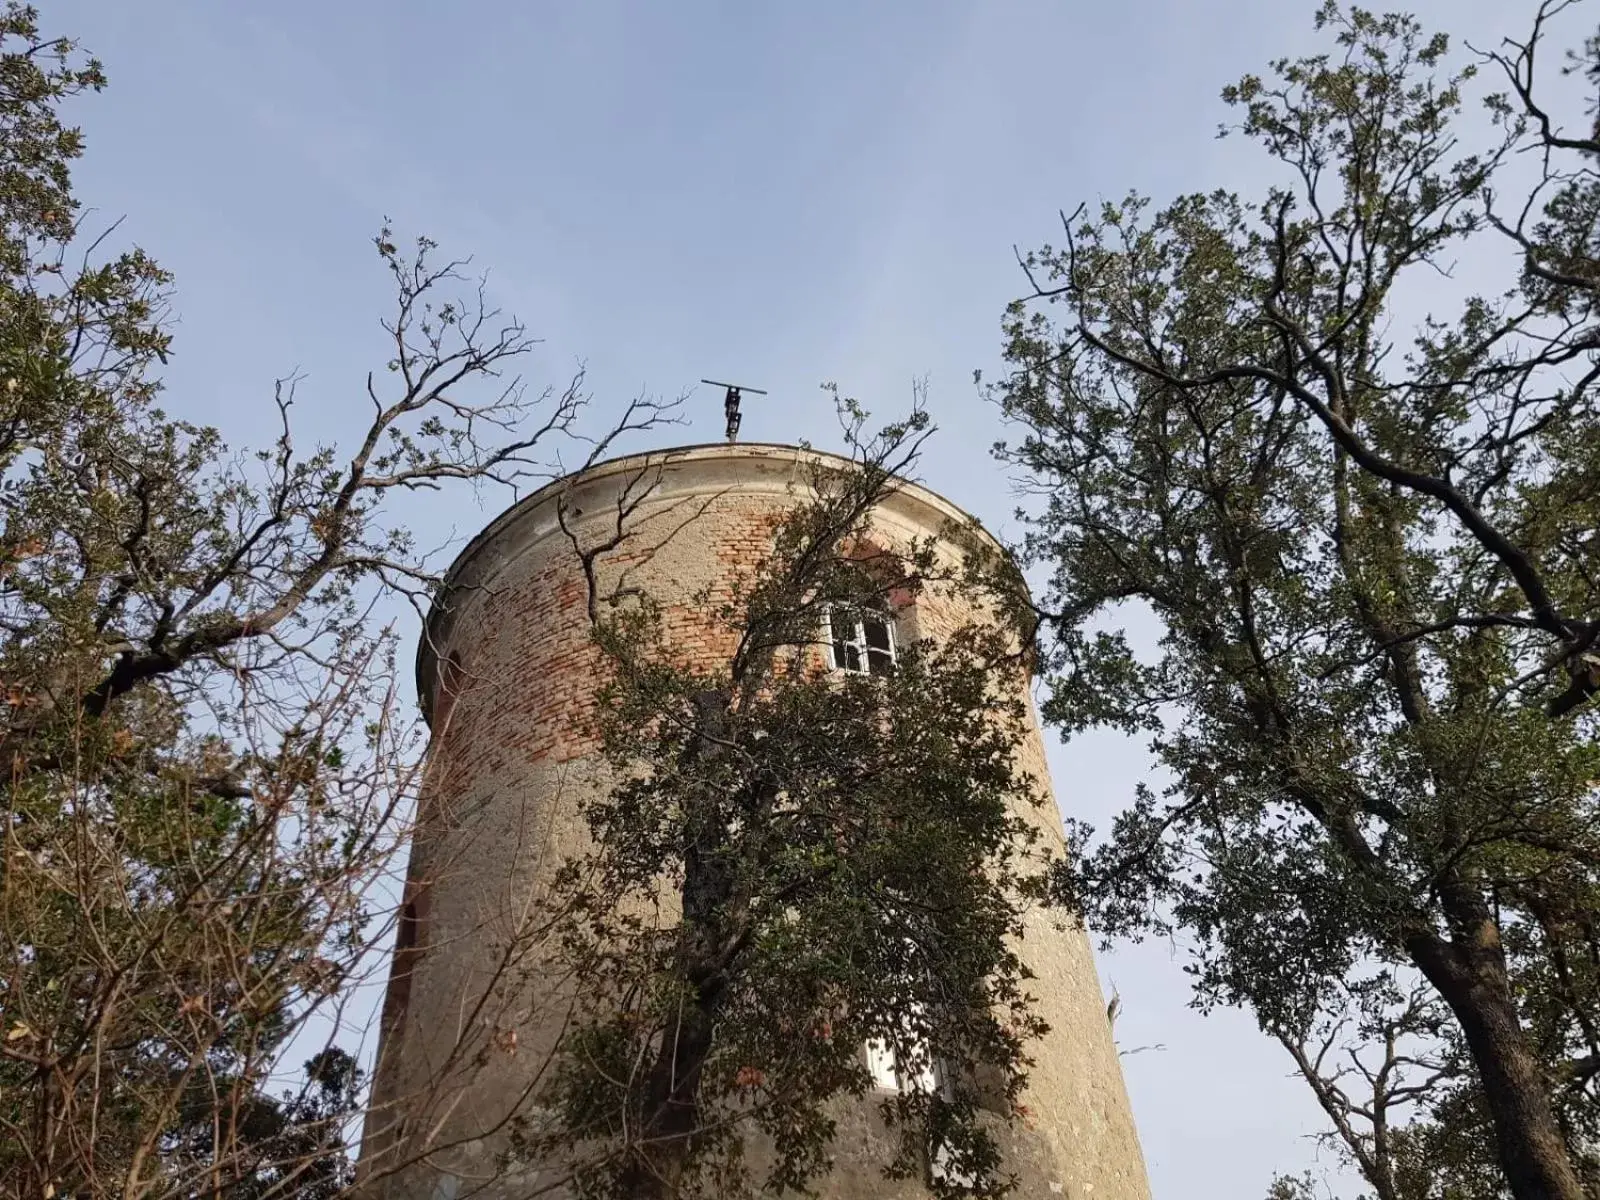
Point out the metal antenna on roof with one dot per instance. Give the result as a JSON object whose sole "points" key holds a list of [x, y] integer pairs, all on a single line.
{"points": [[730, 403]]}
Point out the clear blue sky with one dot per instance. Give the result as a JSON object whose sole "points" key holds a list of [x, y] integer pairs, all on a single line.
{"points": [[774, 194]]}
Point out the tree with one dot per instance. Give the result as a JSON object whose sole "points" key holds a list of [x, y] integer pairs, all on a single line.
{"points": [[1369, 539], [296, 1144], [1388, 1071], [207, 766], [845, 859]]}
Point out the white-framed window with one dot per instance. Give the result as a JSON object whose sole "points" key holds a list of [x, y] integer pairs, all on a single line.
{"points": [[881, 1065], [860, 640], [892, 1075], [888, 1073]]}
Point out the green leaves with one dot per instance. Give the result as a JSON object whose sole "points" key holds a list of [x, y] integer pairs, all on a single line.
{"points": [[1357, 541], [845, 858], [208, 766]]}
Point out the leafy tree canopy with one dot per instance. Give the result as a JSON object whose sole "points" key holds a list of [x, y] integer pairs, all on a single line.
{"points": [[206, 766], [850, 853], [1368, 534]]}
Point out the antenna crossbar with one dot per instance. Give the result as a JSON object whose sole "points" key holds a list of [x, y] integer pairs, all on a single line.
{"points": [[730, 402]]}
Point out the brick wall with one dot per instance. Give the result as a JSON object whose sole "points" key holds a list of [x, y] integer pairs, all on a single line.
{"points": [[510, 676]]}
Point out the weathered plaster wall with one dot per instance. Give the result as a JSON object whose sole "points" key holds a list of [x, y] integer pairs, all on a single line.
{"points": [[509, 674]]}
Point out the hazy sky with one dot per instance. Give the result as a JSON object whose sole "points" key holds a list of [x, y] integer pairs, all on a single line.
{"points": [[773, 194]]}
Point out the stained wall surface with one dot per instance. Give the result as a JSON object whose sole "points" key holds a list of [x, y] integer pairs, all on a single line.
{"points": [[507, 672]]}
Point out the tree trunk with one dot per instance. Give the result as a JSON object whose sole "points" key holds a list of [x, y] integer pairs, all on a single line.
{"points": [[672, 1107], [672, 1093], [1473, 982]]}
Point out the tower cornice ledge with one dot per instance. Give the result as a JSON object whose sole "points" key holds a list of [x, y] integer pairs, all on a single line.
{"points": [[678, 473]]}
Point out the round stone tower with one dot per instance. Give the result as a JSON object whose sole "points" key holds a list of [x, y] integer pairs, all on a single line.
{"points": [[505, 670]]}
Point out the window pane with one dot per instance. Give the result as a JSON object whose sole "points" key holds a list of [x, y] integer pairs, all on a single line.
{"points": [[920, 1076], [880, 662], [877, 633], [923, 1078], [842, 651], [880, 1064]]}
